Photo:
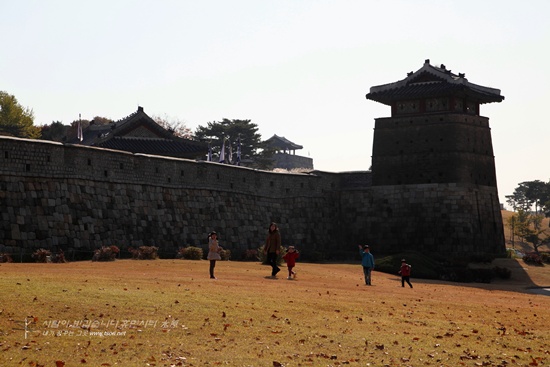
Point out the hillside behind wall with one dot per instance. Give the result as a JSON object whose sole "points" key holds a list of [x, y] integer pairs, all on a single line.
{"points": [[77, 199]]}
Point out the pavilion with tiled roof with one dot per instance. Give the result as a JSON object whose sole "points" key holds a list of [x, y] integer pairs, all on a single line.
{"points": [[436, 133], [280, 143], [285, 154], [431, 83], [139, 133]]}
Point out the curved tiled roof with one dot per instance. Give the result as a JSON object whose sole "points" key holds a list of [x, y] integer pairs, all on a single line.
{"points": [[431, 81], [139, 133], [152, 146], [283, 143]]}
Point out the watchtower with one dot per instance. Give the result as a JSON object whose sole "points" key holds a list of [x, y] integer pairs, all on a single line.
{"points": [[435, 133], [434, 185]]}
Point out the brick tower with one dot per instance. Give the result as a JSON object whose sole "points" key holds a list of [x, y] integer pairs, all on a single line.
{"points": [[435, 152], [435, 133]]}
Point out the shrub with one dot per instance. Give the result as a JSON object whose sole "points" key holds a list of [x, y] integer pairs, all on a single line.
{"points": [[58, 258], [42, 256], [502, 273], [250, 255], [480, 258], [532, 258], [513, 253], [5, 258], [105, 253], [144, 253], [225, 254], [460, 274], [190, 253], [482, 275], [545, 257]]}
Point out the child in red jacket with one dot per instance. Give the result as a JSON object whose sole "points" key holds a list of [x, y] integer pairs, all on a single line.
{"points": [[405, 273], [290, 258]]}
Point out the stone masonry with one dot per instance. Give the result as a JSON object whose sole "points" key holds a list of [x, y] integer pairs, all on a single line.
{"points": [[77, 199]]}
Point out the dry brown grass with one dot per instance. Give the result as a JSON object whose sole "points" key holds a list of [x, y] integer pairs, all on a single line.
{"points": [[327, 317]]}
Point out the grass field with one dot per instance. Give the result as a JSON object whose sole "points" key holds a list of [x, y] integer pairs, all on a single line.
{"points": [[169, 313]]}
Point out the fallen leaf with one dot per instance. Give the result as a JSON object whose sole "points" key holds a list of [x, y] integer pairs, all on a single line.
{"points": [[59, 363]]}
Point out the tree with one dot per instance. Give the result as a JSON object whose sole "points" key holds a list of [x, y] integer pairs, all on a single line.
{"points": [[530, 193], [55, 132], [177, 127], [527, 226], [16, 120], [98, 120], [253, 150], [526, 223], [72, 129]]}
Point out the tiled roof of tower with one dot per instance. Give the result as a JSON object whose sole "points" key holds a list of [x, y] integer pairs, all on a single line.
{"points": [[431, 81], [283, 143]]}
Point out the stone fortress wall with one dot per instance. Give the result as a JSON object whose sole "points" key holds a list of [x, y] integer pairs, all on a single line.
{"points": [[78, 198]]}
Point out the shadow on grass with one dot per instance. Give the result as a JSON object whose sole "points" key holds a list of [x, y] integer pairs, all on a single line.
{"points": [[503, 274], [524, 278]]}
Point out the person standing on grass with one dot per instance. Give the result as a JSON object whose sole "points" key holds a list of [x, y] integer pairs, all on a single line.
{"points": [[272, 247], [290, 258], [405, 272], [367, 262], [213, 252]]}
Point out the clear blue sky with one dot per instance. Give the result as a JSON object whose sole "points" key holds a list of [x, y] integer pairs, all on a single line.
{"points": [[296, 68]]}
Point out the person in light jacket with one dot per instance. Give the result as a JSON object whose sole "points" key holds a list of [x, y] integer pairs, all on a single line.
{"points": [[367, 262], [213, 252]]}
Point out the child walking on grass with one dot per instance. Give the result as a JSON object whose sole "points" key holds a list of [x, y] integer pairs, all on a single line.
{"points": [[405, 272], [213, 252], [290, 259]]}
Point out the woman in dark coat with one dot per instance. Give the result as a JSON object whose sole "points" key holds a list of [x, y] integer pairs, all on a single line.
{"points": [[272, 247]]}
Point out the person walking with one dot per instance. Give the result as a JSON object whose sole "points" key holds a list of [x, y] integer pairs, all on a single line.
{"points": [[405, 272], [290, 259], [367, 262], [272, 247], [213, 252]]}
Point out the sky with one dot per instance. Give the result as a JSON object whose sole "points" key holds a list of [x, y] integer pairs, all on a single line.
{"points": [[296, 68]]}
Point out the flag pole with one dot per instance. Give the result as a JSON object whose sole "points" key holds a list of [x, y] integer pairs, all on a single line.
{"points": [[222, 153], [79, 131]]}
